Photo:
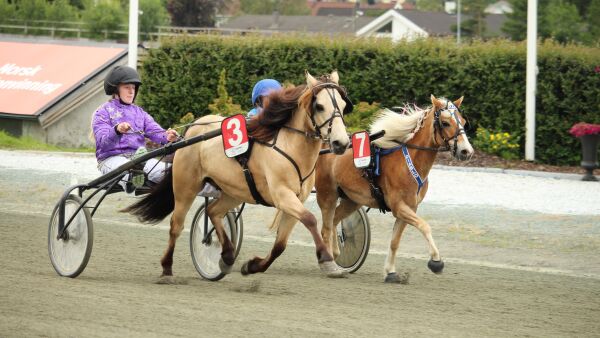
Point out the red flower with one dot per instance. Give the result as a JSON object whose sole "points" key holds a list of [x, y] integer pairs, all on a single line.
{"points": [[597, 69], [582, 128]]}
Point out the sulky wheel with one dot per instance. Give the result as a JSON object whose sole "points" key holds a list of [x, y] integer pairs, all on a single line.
{"points": [[70, 254], [206, 256], [354, 237]]}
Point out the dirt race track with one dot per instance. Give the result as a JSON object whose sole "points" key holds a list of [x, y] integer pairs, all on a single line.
{"points": [[117, 294]]}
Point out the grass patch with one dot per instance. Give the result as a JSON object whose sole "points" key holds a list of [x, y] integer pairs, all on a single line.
{"points": [[28, 143]]}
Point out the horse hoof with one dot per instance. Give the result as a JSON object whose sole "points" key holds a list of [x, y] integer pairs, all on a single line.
{"points": [[332, 270], [225, 268], [436, 266], [394, 277], [164, 279], [245, 271]]}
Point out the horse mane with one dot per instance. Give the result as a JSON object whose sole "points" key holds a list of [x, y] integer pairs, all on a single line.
{"points": [[278, 109], [399, 127]]}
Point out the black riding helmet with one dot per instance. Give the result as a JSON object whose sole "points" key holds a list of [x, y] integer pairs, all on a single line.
{"points": [[121, 74]]}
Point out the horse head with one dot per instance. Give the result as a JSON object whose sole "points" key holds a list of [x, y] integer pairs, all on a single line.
{"points": [[329, 102], [449, 127]]}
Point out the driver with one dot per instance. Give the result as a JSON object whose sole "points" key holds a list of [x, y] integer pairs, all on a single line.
{"points": [[120, 127]]}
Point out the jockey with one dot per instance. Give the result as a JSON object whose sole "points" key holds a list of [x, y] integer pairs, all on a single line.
{"points": [[261, 89], [119, 126]]}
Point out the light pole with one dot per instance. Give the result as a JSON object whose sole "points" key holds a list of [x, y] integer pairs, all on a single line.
{"points": [[133, 33], [530, 86]]}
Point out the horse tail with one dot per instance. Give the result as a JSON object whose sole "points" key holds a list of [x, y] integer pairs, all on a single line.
{"points": [[276, 220], [157, 205]]}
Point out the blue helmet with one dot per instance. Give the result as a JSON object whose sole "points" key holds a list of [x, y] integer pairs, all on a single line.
{"points": [[264, 87]]}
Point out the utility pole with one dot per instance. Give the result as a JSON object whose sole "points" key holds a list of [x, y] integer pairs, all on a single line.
{"points": [[133, 33], [530, 90]]}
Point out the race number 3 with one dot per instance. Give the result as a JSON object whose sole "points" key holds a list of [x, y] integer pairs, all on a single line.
{"points": [[361, 148], [235, 136]]}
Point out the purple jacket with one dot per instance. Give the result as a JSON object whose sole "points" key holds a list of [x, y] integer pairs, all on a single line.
{"points": [[113, 112]]}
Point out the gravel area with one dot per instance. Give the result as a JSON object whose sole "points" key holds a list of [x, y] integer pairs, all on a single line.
{"points": [[549, 193]]}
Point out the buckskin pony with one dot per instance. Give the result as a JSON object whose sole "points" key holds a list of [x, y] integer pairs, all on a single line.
{"points": [[286, 137], [395, 182]]}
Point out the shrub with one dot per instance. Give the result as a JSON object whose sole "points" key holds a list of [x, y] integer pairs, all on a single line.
{"points": [[497, 143], [181, 76], [361, 116]]}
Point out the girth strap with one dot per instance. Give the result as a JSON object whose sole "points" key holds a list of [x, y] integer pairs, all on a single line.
{"points": [[243, 161]]}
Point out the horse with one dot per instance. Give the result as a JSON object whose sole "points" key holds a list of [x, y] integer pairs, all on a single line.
{"points": [[401, 184], [286, 139]]}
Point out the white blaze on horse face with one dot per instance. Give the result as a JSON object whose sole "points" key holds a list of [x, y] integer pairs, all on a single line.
{"points": [[338, 137], [464, 150]]}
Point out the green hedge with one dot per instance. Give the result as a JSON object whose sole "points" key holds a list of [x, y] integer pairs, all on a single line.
{"points": [[182, 76]]}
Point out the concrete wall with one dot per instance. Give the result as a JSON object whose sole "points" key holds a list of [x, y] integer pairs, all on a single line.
{"points": [[73, 129]]}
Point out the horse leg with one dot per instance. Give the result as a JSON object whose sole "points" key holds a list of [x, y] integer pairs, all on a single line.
{"points": [[216, 210], [287, 202], [284, 229], [389, 268], [343, 210], [328, 208], [183, 201], [409, 215]]}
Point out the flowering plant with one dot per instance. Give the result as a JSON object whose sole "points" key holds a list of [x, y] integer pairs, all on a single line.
{"points": [[497, 143], [582, 128]]}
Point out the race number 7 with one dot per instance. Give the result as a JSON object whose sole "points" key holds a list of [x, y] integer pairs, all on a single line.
{"points": [[361, 149], [235, 135]]}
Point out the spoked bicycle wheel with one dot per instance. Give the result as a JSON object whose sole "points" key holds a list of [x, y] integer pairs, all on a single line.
{"points": [[70, 255], [206, 255], [354, 238]]}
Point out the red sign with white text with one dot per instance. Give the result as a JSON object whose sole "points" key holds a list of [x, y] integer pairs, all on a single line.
{"points": [[235, 136], [361, 149], [32, 75]]}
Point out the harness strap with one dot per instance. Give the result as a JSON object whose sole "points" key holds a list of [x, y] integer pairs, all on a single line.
{"points": [[243, 161], [413, 170]]}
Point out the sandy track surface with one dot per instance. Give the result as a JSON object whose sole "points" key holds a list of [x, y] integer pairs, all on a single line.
{"points": [[508, 273]]}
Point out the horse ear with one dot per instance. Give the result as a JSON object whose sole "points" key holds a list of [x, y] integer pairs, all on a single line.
{"points": [[335, 77], [310, 80], [458, 102], [436, 103]]}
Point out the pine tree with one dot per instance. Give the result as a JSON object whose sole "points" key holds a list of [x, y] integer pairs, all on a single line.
{"points": [[223, 104]]}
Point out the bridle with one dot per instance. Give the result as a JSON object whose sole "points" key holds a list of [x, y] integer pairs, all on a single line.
{"points": [[438, 129], [330, 88], [437, 124]]}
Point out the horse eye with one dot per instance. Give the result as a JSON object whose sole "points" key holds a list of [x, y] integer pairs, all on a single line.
{"points": [[445, 124], [319, 107]]}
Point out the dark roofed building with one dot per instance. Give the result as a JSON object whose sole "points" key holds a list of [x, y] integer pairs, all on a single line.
{"points": [[298, 23]]}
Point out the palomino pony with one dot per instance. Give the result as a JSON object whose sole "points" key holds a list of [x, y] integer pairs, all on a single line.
{"points": [[287, 137], [420, 133]]}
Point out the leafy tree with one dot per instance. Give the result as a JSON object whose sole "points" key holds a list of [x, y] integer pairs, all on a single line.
{"points": [[31, 10], [107, 15], [593, 21], [61, 10], [153, 14], [284, 7], [563, 22], [7, 10], [192, 13]]}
